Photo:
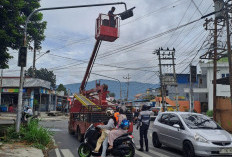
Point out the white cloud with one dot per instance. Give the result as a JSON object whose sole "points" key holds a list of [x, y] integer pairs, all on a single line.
{"points": [[70, 33]]}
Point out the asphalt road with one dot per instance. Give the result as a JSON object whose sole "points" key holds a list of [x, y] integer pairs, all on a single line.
{"points": [[68, 145]]}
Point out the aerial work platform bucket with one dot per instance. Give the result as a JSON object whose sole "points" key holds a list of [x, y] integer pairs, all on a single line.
{"points": [[107, 28]]}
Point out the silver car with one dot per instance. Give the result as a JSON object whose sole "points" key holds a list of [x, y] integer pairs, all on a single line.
{"points": [[194, 134]]}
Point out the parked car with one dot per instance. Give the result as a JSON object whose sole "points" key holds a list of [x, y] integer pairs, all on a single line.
{"points": [[193, 133]]}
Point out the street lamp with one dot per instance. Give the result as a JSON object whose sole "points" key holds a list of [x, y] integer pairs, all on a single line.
{"points": [[48, 51]]}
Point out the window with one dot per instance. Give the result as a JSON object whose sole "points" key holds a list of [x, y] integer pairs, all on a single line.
{"points": [[227, 75], [223, 75], [164, 119], [174, 119]]}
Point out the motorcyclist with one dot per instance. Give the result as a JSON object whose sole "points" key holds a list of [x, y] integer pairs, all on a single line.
{"points": [[106, 128], [27, 113], [113, 134]]}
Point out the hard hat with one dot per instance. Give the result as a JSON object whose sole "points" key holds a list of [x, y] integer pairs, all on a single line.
{"points": [[109, 112]]}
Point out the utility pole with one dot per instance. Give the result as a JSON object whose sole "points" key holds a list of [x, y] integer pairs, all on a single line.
{"points": [[34, 59], [1, 87], [215, 70], [128, 81], [190, 89], [167, 59], [229, 48]]}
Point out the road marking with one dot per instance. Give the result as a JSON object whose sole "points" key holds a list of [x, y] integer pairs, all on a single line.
{"points": [[57, 152], [54, 129], [67, 153], [151, 134], [141, 154]]}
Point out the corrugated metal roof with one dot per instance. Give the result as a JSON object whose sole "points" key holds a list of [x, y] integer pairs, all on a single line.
{"points": [[13, 82]]}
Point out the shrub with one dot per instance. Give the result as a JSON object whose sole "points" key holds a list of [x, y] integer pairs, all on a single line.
{"points": [[32, 133], [209, 113]]}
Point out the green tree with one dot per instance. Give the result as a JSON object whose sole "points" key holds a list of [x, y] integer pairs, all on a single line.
{"points": [[43, 74], [61, 87], [12, 22]]}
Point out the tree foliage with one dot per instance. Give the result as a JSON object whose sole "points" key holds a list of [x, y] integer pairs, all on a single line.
{"points": [[13, 14], [61, 87], [43, 74]]}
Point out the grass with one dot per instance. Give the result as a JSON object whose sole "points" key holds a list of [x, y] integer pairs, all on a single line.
{"points": [[32, 133]]}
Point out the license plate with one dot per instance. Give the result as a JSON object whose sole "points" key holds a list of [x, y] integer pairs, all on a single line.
{"points": [[226, 151]]}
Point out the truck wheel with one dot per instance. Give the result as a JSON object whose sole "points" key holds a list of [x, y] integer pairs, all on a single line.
{"points": [[84, 150], [80, 137], [155, 140], [70, 131]]}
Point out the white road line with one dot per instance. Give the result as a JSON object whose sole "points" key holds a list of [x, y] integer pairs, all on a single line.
{"points": [[151, 134], [142, 154], [57, 152], [67, 153]]}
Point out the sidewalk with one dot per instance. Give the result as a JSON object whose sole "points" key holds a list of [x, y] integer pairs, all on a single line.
{"points": [[43, 116], [19, 150]]}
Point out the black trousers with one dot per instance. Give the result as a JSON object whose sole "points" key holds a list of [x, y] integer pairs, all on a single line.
{"points": [[143, 135]]}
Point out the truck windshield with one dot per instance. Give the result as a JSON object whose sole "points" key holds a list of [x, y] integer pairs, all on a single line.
{"points": [[195, 121]]}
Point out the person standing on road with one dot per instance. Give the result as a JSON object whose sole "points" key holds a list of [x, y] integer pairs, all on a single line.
{"points": [[144, 122]]}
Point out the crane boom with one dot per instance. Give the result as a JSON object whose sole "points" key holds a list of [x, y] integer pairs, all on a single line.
{"points": [[90, 65]]}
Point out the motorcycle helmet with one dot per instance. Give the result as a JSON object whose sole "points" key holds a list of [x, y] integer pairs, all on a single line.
{"points": [[110, 112], [125, 124]]}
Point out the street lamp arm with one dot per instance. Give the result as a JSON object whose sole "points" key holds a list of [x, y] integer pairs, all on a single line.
{"points": [[66, 7]]}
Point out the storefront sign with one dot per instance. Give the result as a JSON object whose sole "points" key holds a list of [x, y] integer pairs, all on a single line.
{"points": [[12, 90], [44, 91]]}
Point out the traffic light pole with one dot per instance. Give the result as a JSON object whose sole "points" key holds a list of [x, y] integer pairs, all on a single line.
{"points": [[20, 95]]}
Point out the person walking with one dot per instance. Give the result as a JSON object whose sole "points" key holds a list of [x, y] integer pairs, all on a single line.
{"points": [[143, 125]]}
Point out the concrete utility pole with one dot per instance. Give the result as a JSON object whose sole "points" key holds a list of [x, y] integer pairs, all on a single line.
{"points": [[215, 70], [128, 81], [167, 59], [190, 89], [1, 87], [20, 95]]}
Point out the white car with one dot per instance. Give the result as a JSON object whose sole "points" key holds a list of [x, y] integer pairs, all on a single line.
{"points": [[194, 134]]}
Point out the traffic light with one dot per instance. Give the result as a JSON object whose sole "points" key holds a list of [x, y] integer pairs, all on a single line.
{"points": [[127, 14], [193, 71], [22, 58]]}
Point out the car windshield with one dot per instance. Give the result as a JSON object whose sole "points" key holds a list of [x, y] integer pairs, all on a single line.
{"points": [[197, 121]]}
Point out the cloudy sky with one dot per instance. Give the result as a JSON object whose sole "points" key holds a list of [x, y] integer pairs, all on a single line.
{"points": [[70, 39]]}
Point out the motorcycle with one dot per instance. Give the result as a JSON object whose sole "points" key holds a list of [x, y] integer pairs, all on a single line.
{"points": [[123, 146]]}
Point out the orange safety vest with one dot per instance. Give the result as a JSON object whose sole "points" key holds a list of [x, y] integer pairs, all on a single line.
{"points": [[116, 116]]}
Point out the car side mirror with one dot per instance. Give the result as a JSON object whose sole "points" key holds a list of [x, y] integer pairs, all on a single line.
{"points": [[177, 126]]}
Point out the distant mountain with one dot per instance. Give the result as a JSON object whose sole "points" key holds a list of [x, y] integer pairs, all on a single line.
{"points": [[114, 87]]}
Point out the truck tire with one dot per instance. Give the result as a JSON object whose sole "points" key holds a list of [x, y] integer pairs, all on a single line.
{"points": [[71, 132], [80, 137]]}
